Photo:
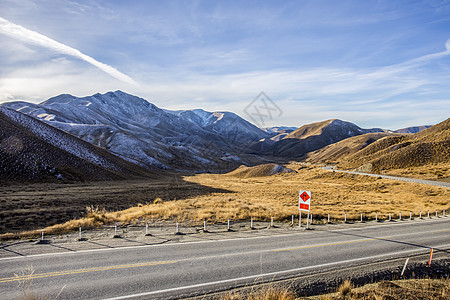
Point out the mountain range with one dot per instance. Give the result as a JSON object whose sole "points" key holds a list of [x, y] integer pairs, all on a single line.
{"points": [[33, 151], [137, 138], [138, 131], [374, 152]]}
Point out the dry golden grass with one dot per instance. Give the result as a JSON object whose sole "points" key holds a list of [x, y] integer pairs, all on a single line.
{"points": [[413, 155], [25, 279], [259, 171], [277, 196], [412, 289], [345, 289], [436, 171], [268, 293]]}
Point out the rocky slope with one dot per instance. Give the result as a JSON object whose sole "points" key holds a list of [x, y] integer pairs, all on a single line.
{"points": [[32, 151], [140, 132]]}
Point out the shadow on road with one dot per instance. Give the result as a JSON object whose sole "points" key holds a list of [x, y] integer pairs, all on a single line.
{"points": [[390, 240]]}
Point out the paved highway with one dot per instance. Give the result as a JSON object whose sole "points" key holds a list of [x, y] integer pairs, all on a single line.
{"points": [[421, 181], [178, 270]]}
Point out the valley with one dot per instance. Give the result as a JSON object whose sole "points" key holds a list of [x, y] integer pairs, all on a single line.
{"points": [[114, 157], [212, 197]]}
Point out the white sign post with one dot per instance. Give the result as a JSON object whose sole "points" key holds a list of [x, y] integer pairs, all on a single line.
{"points": [[304, 204]]}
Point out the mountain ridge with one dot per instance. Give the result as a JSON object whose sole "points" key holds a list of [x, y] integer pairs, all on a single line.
{"points": [[136, 129], [32, 150]]}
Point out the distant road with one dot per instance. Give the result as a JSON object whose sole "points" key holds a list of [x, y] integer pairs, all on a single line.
{"points": [[429, 182], [173, 271]]}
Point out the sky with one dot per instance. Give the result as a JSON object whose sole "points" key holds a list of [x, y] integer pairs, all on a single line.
{"points": [[374, 63]]}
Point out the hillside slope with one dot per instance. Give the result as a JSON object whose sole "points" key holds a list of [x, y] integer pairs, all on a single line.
{"points": [[336, 152], [135, 129], [430, 146], [312, 137], [260, 171], [32, 151]]}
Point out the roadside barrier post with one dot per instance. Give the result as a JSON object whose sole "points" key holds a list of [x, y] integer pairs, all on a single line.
{"points": [[376, 216], [410, 215], [115, 231], [390, 217], [251, 223], [178, 229], [307, 221], [271, 222], [79, 236], [310, 219], [300, 219], [436, 213], [431, 256], [420, 214], [292, 222], [428, 213], [345, 217], [361, 217], [400, 216], [204, 225], [404, 267], [42, 238], [443, 213], [146, 229], [328, 218]]}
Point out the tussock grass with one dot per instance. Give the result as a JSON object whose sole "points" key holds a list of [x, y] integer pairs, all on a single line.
{"points": [[259, 171], [271, 292], [277, 196], [417, 153], [25, 279], [411, 289]]}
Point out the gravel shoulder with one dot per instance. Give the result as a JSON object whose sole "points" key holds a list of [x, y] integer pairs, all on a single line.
{"points": [[166, 233]]}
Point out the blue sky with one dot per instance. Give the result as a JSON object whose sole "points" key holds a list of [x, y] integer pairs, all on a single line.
{"points": [[375, 63]]}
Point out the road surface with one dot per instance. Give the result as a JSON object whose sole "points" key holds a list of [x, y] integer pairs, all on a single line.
{"points": [[184, 269], [421, 181]]}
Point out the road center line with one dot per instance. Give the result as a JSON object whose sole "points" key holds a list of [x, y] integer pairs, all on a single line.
{"points": [[334, 244], [79, 271], [380, 226], [272, 274]]}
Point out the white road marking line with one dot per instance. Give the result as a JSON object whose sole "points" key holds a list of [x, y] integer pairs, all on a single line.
{"points": [[221, 240], [268, 274]]}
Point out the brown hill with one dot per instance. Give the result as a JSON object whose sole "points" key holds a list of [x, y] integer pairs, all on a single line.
{"points": [[314, 136], [333, 153], [32, 151], [259, 171], [430, 146]]}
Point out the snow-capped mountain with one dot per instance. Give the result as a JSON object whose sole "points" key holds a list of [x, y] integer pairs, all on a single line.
{"points": [[138, 131], [279, 132], [414, 129], [32, 150], [279, 129]]}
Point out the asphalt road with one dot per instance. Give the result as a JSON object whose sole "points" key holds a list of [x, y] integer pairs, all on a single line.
{"points": [[421, 181], [185, 269]]}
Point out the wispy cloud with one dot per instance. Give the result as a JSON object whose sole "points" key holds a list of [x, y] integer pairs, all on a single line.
{"points": [[32, 37]]}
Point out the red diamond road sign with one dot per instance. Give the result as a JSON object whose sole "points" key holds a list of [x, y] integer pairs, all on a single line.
{"points": [[304, 201]]}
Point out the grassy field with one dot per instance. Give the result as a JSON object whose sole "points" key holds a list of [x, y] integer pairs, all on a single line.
{"points": [[412, 289], [217, 197], [436, 171]]}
